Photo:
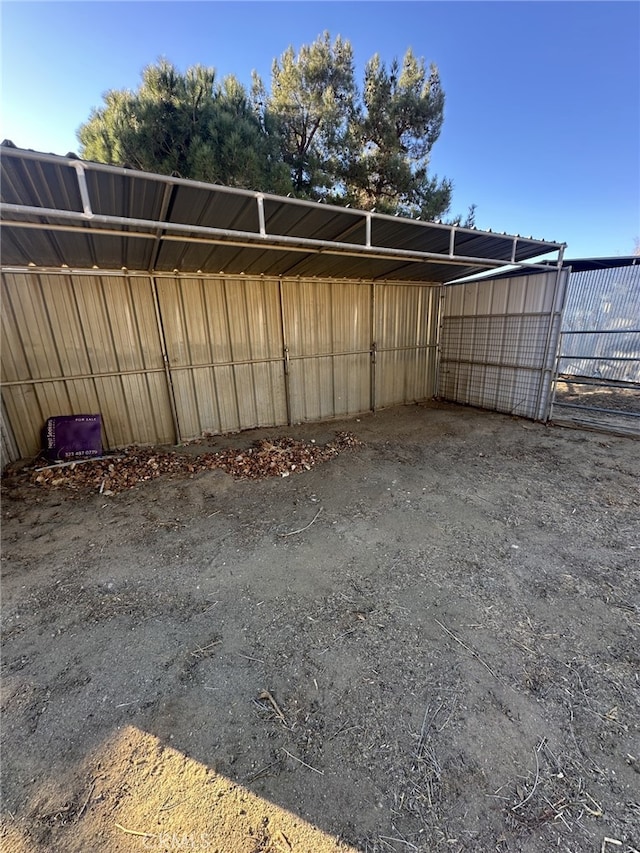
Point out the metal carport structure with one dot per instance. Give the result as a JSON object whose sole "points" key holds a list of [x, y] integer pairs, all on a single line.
{"points": [[176, 308]]}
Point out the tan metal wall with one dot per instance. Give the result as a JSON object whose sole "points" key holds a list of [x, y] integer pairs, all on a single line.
{"points": [[406, 339], [83, 344], [328, 335], [169, 358], [224, 344], [8, 448]]}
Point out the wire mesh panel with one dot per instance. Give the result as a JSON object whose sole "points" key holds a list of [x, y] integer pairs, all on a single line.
{"points": [[498, 343]]}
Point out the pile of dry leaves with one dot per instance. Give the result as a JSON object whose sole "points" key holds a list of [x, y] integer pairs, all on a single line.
{"points": [[109, 475]]}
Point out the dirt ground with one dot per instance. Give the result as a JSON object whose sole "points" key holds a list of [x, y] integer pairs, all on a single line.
{"points": [[428, 643]]}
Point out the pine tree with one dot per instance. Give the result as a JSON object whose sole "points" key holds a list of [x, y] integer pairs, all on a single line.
{"points": [[186, 125], [311, 102], [391, 139]]}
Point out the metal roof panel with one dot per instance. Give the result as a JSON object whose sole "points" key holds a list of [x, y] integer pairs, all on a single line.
{"points": [[64, 211]]}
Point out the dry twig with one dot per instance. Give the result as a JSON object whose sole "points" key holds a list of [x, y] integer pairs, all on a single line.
{"points": [[471, 651], [86, 802], [302, 529], [535, 781], [304, 763], [266, 696], [201, 651], [264, 771], [135, 832]]}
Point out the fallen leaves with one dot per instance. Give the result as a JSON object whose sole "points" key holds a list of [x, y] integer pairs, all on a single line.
{"points": [[279, 457]]}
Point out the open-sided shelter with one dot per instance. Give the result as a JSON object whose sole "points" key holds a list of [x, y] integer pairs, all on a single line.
{"points": [[175, 308]]}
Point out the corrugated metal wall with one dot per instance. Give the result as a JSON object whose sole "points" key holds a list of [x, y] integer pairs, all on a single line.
{"points": [[83, 344], [8, 448], [172, 357], [328, 335], [498, 343], [601, 325], [224, 345], [406, 335]]}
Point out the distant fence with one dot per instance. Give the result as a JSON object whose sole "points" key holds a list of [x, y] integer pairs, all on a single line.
{"points": [[601, 325]]}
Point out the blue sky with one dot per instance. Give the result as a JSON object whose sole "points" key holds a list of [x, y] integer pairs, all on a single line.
{"points": [[542, 116]]}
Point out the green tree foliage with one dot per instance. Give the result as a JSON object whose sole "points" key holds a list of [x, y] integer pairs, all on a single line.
{"points": [[312, 134], [186, 125], [398, 122], [312, 102]]}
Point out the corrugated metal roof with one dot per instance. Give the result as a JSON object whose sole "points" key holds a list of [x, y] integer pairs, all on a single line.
{"points": [[62, 211], [576, 265]]}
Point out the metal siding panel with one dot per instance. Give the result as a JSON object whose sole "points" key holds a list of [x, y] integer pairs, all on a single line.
{"points": [[328, 332], [497, 352], [517, 289], [96, 323], [31, 337], [405, 377], [118, 320], [484, 298], [9, 451], [307, 317], [115, 413], [185, 318], [14, 363], [25, 417], [72, 327], [603, 300], [307, 329], [500, 297], [186, 404], [82, 397], [406, 335], [212, 325], [66, 325]]}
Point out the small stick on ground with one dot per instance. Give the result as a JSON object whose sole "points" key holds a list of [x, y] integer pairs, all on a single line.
{"points": [[266, 696], [135, 832], [86, 802], [248, 657], [339, 637], [73, 462], [302, 529], [167, 808], [535, 781], [304, 763], [397, 841], [264, 771], [202, 650], [283, 838], [471, 651]]}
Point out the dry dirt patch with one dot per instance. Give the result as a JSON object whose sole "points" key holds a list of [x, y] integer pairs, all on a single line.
{"points": [[429, 642]]}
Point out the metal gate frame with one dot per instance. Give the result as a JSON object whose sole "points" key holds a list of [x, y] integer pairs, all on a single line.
{"points": [[595, 350]]}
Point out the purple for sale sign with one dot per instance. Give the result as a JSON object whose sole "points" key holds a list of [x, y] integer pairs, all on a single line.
{"points": [[74, 436]]}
